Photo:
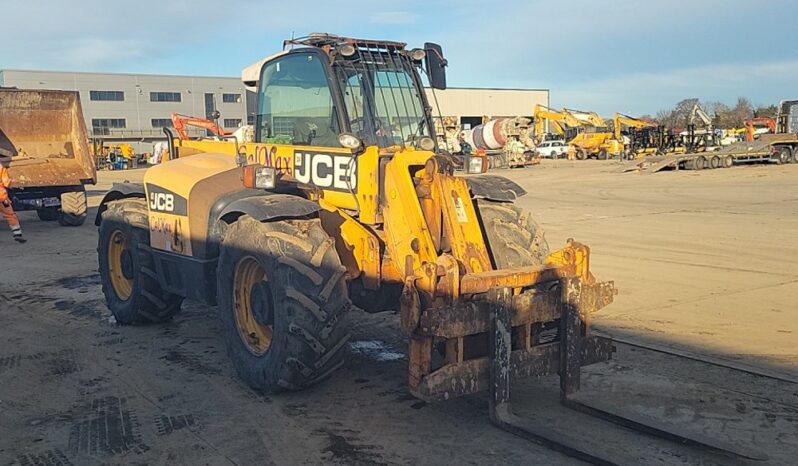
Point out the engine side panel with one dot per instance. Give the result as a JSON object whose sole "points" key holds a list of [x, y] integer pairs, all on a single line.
{"points": [[179, 195]]}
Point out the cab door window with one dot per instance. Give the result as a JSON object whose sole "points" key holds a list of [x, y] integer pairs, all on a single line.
{"points": [[295, 103]]}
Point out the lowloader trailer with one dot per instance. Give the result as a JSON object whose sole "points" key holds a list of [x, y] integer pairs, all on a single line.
{"points": [[769, 148]]}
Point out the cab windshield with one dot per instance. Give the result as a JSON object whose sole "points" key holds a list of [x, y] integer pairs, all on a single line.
{"points": [[382, 95]]}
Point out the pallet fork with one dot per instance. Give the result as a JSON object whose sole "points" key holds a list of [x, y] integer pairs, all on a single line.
{"points": [[574, 329]]}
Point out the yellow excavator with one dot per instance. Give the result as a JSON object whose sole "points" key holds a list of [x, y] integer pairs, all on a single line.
{"points": [[344, 200], [559, 121], [594, 139]]}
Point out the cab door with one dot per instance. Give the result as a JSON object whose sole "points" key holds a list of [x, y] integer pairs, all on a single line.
{"points": [[298, 124]]}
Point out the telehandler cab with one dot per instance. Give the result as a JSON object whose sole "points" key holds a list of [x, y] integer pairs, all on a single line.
{"points": [[344, 199]]}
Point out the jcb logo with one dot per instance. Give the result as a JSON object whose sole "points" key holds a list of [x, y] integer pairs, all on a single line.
{"points": [[162, 202], [336, 172]]}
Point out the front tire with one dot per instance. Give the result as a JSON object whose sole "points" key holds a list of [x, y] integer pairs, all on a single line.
{"points": [[127, 270], [513, 237], [283, 302]]}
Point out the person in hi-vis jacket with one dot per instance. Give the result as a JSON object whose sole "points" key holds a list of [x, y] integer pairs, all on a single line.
{"points": [[5, 205]]}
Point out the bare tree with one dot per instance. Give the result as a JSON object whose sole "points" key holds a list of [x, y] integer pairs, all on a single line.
{"points": [[680, 115], [766, 111]]}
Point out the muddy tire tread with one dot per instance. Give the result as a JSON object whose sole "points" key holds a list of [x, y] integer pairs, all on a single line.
{"points": [[311, 302], [149, 303], [73, 208], [514, 238]]}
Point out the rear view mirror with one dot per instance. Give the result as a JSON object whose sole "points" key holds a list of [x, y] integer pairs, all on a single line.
{"points": [[436, 66]]}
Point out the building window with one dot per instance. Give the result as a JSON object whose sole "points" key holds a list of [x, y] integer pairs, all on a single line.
{"points": [[161, 122], [232, 122], [104, 126], [165, 97], [112, 96], [231, 98], [250, 119]]}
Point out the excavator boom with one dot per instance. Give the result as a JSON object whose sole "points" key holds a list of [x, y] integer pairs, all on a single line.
{"points": [[180, 122]]}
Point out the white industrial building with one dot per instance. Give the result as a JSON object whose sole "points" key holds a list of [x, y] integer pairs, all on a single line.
{"points": [[471, 104], [134, 108]]}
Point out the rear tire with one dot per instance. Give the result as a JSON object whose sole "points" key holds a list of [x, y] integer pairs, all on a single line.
{"points": [[48, 214], [127, 270], [602, 155], [73, 208], [283, 303], [513, 237], [581, 154]]}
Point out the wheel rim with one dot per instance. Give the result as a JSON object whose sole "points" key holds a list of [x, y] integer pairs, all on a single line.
{"points": [[251, 306], [120, 266]]}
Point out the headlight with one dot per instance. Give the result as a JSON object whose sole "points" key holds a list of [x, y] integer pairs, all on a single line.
{"points": [[426, 143], [417, 54], [259, 177], [347, 50], [477, 164], [350, 141]]}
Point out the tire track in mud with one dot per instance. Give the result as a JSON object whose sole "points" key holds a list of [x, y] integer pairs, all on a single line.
{"points": [[53, 457], [108, 427]]}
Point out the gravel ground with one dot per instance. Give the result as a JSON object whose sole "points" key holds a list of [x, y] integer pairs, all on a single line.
{"points": [[705, 261]]}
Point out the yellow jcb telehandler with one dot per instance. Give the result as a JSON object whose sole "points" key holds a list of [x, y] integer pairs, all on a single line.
{"points": [[344, 199]]}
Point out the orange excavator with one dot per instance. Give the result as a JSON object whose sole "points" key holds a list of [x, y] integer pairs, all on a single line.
{"points": [[180, 122], [759, 122]]}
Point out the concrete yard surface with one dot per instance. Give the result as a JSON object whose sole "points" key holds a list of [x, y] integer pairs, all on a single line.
{"points": [[706, 262]]}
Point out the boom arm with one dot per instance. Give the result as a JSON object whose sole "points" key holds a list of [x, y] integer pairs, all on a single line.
{"points": [[181, 121], [620, 120], [586, 118], [700, 113], [543, 113], [750, 125]]}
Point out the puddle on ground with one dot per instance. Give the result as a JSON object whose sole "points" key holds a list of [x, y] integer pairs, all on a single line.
{"points": [[376, 349]]}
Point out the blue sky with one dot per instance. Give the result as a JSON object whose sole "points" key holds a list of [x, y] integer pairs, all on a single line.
{"points": [[632, 56]]}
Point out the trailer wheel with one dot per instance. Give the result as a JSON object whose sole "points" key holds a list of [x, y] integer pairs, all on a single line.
{"points": [[513, 237], [728, 161], [48, 214], [714, 162], [73, 208], [794, 155], [782, 155], [700, 163], [283, 302], [127, 270]]}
